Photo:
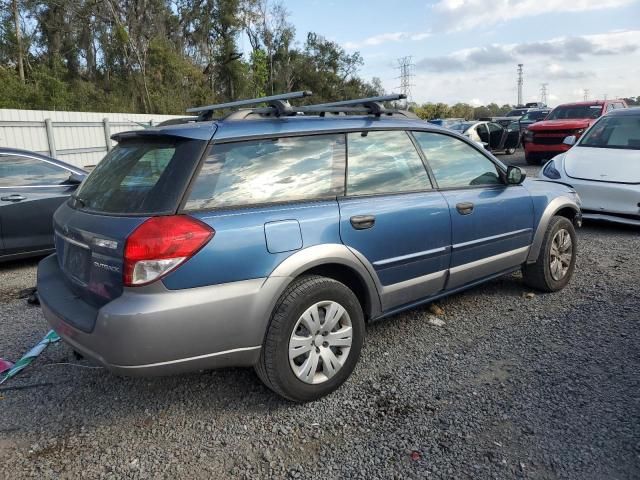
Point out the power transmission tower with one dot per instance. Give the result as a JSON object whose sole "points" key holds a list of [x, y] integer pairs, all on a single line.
{"points": [[520, 82], [586, 94], [543, 93], [405, 65]]}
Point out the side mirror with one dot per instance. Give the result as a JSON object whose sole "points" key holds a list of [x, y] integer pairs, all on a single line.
{"points": [[570, 140], [515, 175]]}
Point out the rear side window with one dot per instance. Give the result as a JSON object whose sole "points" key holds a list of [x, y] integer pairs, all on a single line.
{"points": [[384, 162], [269, 171], [456, 164], [140, 177], [16, 171]]}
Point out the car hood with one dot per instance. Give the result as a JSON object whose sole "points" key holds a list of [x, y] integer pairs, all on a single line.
{"points": [[572, 124], [603, 164]]}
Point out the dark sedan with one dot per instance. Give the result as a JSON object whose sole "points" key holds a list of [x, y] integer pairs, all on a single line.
{"points": [[32, 187]]}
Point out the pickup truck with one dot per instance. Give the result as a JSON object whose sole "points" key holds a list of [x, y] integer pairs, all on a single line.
{"points": [[544, 140]]}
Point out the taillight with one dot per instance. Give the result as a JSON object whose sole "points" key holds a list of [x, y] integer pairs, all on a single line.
{"points": [[160, 244]]}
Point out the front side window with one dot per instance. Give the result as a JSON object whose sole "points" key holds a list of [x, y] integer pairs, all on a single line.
{"points": [[384, 162], [614, 132], [19, 171], [268, 171], [456, 164]]}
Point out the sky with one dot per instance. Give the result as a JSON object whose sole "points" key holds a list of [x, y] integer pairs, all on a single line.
{"points": [[468, 50]]}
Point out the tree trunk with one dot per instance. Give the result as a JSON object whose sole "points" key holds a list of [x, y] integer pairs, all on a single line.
{"points": [[16, 19]]}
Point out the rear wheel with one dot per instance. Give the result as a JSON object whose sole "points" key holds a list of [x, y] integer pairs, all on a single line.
{"points": [[314, 339], [557, 258]]}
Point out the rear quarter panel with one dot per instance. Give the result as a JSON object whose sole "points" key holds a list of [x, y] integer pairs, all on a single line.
{"points": [[238, 250]]}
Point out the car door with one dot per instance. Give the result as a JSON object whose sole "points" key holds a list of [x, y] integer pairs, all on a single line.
{"points": [[483, 133], [491, 222], [496, 136], [392, 218], [31, 189]]}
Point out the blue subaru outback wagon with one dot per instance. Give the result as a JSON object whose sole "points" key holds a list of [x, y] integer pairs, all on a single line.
{"points": [[270, 237]]}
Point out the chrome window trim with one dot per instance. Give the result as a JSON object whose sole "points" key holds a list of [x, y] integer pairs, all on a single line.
{"points": [[40, 160]]}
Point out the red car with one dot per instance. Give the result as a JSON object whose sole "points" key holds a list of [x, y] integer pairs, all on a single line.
{"points": [[544, 140]]}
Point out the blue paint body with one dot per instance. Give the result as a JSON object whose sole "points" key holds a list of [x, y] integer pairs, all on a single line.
{"points": [[415, 234]]}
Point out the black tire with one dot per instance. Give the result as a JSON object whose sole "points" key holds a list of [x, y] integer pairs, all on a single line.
{"points": [[531, 160], [274, 368], [510, 151], [538, 275]]}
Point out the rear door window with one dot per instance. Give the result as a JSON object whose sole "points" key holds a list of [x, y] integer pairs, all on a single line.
{"points": [[270, 171], [21, 171], [140, 177], [384, 162]]}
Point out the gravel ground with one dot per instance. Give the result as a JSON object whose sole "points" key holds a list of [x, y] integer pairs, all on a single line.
{"points": [[511, 386]]}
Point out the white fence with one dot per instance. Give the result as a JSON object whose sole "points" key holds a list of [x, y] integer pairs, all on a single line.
{"points": [[78, 138]]}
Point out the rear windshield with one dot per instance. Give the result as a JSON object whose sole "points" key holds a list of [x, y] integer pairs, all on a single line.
{"points": [[140, 177], [575, 111], [534, 116]]}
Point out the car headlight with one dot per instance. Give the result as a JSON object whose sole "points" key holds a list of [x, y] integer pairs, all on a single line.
{"points": [[551, 171], [528, 136]]}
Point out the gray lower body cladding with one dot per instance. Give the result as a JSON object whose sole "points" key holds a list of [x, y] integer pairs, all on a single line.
{"points": [[156, 331]]}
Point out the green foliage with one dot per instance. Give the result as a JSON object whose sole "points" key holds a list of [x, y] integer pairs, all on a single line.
{"points": [[163, 56]]}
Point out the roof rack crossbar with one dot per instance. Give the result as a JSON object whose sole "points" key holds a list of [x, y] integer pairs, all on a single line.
{"points": [[363, 101], [373, 105], [280, 103]]}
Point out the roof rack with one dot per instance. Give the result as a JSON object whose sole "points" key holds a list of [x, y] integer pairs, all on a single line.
{"points": [[277, 104]]}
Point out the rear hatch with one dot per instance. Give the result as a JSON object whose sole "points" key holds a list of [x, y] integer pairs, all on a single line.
{"points": [[144, 176]]}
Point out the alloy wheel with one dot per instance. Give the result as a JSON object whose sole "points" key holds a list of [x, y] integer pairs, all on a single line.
{"points": [[560, 254]]}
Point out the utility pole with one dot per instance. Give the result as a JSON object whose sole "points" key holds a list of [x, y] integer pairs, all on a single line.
{"points": [[405, 65], [520, 82], [16, 21], [543, 93], [586, 94]]}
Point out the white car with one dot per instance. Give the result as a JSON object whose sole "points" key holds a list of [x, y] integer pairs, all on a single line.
{"points": [[604, 167]]}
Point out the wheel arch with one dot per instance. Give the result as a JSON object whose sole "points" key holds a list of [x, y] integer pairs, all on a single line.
{"points": [[562, 206], [340, 263]]}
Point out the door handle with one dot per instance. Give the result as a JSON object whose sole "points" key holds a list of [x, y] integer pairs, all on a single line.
{"points": [[362, 222], [464, 208], [15, 197]]}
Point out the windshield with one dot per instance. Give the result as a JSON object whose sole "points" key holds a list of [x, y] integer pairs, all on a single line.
{"points": [[140, 177], [575, 111], [517, 113], [534, 116], [614, 132], [461, 127]]}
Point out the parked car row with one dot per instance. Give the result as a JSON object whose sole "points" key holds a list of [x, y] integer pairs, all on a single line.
{"points": [[545, 139]]}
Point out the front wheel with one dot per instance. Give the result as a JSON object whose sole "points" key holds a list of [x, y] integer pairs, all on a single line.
{"points": [[556, 261], [510, 151], [314, 339]]}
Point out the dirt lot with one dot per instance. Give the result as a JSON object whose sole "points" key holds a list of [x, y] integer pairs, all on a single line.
{"points": [[511, 386]]}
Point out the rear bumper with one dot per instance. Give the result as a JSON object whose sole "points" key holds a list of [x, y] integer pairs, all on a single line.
{"points": [[156, 331]]}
